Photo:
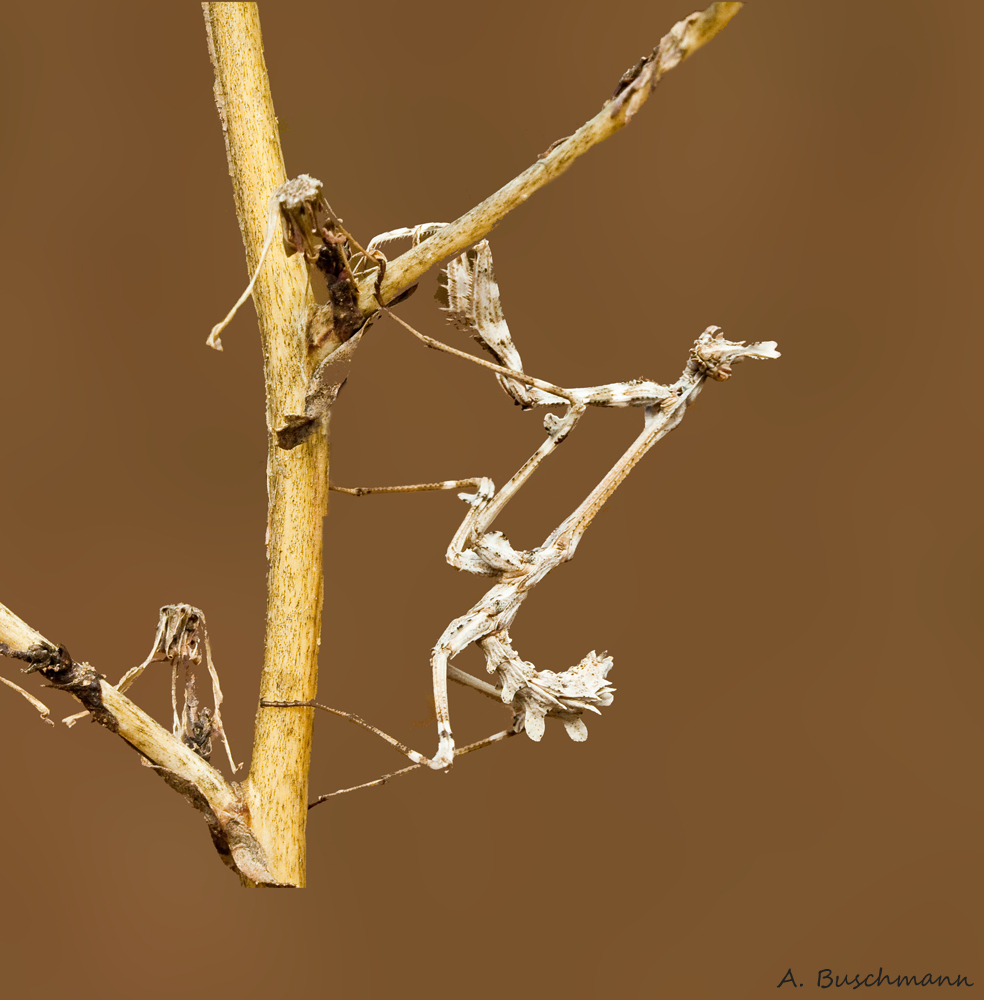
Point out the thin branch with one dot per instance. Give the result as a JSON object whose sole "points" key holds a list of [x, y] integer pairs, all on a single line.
{"points": [[683, 39], [124, 717], [204, 787]]}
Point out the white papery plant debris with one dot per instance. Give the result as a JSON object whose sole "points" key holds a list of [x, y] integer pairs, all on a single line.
{"points": [[180, 640], [470, 296]]}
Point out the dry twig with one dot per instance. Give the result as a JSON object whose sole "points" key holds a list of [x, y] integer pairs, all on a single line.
{"points": [[313, 309]]}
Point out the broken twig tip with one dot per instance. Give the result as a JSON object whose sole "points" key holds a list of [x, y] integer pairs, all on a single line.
{"points": [[272, 226], [705, 25]]}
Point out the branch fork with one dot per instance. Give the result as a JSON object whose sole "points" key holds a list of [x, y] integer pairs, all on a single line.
{"points": [[314, 303], [220, 802]]}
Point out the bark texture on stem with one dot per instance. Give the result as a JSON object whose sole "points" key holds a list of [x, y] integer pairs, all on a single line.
{"points": [[218, 800], [276, 789]]}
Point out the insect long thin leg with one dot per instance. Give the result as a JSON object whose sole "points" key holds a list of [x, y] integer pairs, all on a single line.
{"points": [[461, 751], [217, 701], [467, 680], [351, 716], [448, 484], [554, 390]]}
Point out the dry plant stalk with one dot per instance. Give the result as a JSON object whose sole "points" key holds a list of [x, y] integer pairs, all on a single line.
{"points": [[276, 788], [315, 302]]}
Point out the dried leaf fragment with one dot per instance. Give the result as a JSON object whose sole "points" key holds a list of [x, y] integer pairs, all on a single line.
{"points": [[181, 638], [39, 705], [309, 226]]}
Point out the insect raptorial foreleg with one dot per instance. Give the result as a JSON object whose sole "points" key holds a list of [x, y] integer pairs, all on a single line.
{"points": [[373, 259], [445, 740], [415, 234]]}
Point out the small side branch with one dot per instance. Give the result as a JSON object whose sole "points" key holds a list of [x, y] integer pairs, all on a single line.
{"points": [[179, 765], [682, 40]]}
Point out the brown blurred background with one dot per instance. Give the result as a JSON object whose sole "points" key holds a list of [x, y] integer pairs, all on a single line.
{"points": [[789, 774]]}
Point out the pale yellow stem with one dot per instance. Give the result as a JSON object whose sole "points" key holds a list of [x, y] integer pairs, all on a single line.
{"points": [[276, 789]]}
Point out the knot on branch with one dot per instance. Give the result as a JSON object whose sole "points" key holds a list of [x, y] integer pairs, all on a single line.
{"points": [[53, 662], [56, 665]]}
